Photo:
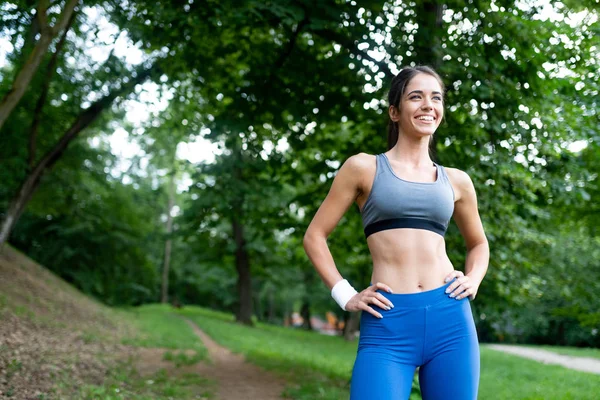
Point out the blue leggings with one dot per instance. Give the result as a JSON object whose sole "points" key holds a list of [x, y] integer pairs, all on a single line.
{"points": [[429, 330]]}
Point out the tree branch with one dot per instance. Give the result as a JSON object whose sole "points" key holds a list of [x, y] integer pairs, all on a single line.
{"points": [[41, 15], [26, 73], [285, 54], [89, 115], [37, 114], [65, 16], [352, 47]]}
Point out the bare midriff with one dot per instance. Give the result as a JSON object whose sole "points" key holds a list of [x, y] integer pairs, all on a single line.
{"points": [[409, 260]]}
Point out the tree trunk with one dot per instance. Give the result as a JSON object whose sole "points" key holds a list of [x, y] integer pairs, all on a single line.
{"points": [[352, 325], [308, 276], [259, 309], [23, 78], [242, 265], [562, 340], [31, 183], [167, 260], [428, 46], [272, 306], [37, 114], [305, 314]]}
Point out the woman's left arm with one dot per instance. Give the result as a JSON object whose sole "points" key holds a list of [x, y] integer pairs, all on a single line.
{"points": [[466, 216]]}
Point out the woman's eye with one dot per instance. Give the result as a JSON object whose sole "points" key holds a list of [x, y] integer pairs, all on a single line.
{"points": [[437, 98], [415, 97]]}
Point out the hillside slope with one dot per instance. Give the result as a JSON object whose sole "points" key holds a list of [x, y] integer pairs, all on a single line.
{"points": [[49, 332]]}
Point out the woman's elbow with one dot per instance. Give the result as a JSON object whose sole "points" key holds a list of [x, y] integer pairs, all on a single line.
{"points": [[310, 237], [307, 240]]}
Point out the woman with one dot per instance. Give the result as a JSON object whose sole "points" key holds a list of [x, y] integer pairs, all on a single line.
{"points": [[416, 312]]}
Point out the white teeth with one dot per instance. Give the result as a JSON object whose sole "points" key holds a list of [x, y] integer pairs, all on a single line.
{"points": [[425, 118]]}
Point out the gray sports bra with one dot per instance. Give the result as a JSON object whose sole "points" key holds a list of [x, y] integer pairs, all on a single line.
{"points": [[397, 203]]}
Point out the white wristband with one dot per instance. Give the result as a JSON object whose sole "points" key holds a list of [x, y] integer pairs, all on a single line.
{"points": [[342, 292]]}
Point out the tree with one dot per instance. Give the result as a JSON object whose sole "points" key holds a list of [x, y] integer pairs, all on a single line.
{"points": [[87, 116], [47, 34]]}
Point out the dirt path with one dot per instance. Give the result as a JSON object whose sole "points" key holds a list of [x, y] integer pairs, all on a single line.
{"points": [[236, 378], [584, 364]]}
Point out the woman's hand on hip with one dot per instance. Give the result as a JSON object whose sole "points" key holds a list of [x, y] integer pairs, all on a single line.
{"points": [[462, 286], [361, 300]]}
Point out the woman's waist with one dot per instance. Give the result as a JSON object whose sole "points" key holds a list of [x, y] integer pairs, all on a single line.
{"points": [[407, 244], [412, 276], [415, 259]]}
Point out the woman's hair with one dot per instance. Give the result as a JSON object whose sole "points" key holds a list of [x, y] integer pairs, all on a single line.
{"points": [[397, 89]]}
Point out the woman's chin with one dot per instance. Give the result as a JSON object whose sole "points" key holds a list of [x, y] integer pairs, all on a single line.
{"points": [[426, 131], [422, 131]]}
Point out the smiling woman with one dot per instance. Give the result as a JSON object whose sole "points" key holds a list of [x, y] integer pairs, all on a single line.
{"points": [[416, 312], [425, 85]]}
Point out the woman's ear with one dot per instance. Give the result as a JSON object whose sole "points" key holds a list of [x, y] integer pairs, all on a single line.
{"points": [[394, 113]]}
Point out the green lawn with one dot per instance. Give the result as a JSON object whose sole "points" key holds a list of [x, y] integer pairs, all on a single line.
{"points": [[504, 376], [125, 383], [159, 326], [570, 351], [319, 367]]}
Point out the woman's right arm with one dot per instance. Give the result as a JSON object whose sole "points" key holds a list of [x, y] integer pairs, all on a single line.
{"points": [[344, 191]]}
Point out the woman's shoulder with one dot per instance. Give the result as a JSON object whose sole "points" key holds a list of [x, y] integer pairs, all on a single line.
{"points": [[361, 159], [360, 169], [459, 179], [361, 163], [457, 175]]}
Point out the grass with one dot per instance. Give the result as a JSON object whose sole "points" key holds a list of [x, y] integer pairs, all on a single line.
{"points": [[504, 376], [181, 358], [124, 382], [273, 342], [319, 367], [159, 326], [570, 351]]}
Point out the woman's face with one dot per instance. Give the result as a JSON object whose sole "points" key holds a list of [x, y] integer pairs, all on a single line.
{"points": [[421, 106]]}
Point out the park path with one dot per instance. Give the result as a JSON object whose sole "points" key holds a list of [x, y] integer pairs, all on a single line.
{"points": [[585, 364], [236, 378]]}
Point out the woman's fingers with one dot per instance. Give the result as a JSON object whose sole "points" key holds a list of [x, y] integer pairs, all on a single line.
{"points": [[459, 286], [464, 294], [382, 286], [363, 306], [380, 303], [370, 295], [454, 274], [387, 302]]}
